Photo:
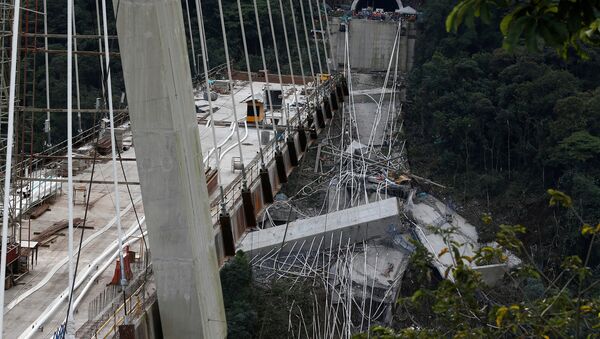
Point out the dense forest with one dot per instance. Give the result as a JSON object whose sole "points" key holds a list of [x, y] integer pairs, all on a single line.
{"points": [[501, 128], [515, 135], [498, 128]]}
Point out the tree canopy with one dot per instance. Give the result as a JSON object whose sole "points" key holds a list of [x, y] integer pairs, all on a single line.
{"points": [[514, 132], [561, 24]]}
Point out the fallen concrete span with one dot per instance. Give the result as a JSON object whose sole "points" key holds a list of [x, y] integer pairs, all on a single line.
{"points": [[355, 224]]}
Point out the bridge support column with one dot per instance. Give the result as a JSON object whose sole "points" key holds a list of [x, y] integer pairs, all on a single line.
{"points": [[333, 99], [265, 183], [302, 139], [227, 234], [345, 87], [249, 212], [169, 158], [291, 144], [327, 108], [339, 91], [310, 120], [320, 119], [280, 163]]}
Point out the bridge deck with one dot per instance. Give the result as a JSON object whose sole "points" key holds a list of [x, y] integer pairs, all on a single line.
{"points": [[25, 312]]}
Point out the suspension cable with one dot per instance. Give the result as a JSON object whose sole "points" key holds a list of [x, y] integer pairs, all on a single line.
{"points": [[289, 56], [123, 281], [70, 325], [298, 44], [310, 60], [323, 35], [233, 102], [278, 69], [9, 151], [383, 90], [314, 29], [353, 116], [79, 129], [328, 34], [395, 84], [47, 124], [83, 227], [260, 148], [100, 49], [264, 63], [189, 22], [210, 107]]}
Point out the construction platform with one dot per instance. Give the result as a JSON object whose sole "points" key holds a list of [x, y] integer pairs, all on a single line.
{"points": [[47, 280]]}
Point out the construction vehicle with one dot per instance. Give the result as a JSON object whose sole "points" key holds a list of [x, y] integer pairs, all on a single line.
{"points": [[257, 106]]}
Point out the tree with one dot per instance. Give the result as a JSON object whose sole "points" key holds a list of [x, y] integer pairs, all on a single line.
{"points": [[562, 24], [579, 147], [527, 304]]}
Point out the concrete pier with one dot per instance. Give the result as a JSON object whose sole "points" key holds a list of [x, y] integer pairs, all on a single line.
{"points": [[371, 43], [169, 159]]}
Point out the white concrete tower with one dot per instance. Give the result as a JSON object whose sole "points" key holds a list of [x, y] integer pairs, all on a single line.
{"points": [[169, 159]]}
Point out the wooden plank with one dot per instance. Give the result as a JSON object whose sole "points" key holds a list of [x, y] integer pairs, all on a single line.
{"points": [[38, 211]]}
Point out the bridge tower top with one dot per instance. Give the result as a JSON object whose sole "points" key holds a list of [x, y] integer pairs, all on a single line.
{"points": [[359, 4]]}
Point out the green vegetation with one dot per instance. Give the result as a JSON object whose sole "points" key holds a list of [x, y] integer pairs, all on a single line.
{"points": [[563, 24], [500, 128], [256, 310], [527, 304]]}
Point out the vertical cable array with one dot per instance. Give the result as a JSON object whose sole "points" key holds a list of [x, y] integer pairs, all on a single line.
{"points": [[9, 151], [79, 128], [314, 29], [298, 44], [310, 60], [233, 102], [323, 35], [328, 35], [100, 49], [189, 22], [70, 324], [113, 144], [210, 105], [47, 123], [245, 44], [264, 63], [289, 56], [283, 103]]}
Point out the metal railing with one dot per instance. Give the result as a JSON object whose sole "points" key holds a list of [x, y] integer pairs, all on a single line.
{"points": [[233, 191], [107, 311]]}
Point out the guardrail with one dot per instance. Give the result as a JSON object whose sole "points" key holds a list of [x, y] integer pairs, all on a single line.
{"points": [[233, 191], [107, 327], [111, 308], [111, 326]]}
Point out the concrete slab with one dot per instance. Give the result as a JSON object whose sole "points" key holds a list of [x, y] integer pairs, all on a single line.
{"points": [[432, 218], [226, 124], [379, 266], [20, 315], [353, 224]]}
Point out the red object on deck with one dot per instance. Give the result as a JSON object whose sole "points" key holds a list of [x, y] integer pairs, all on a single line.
{"points": [[12, 253], [127, 258]]}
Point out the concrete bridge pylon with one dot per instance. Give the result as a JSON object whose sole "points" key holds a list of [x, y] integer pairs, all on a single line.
{"points": [[169, 158]]}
